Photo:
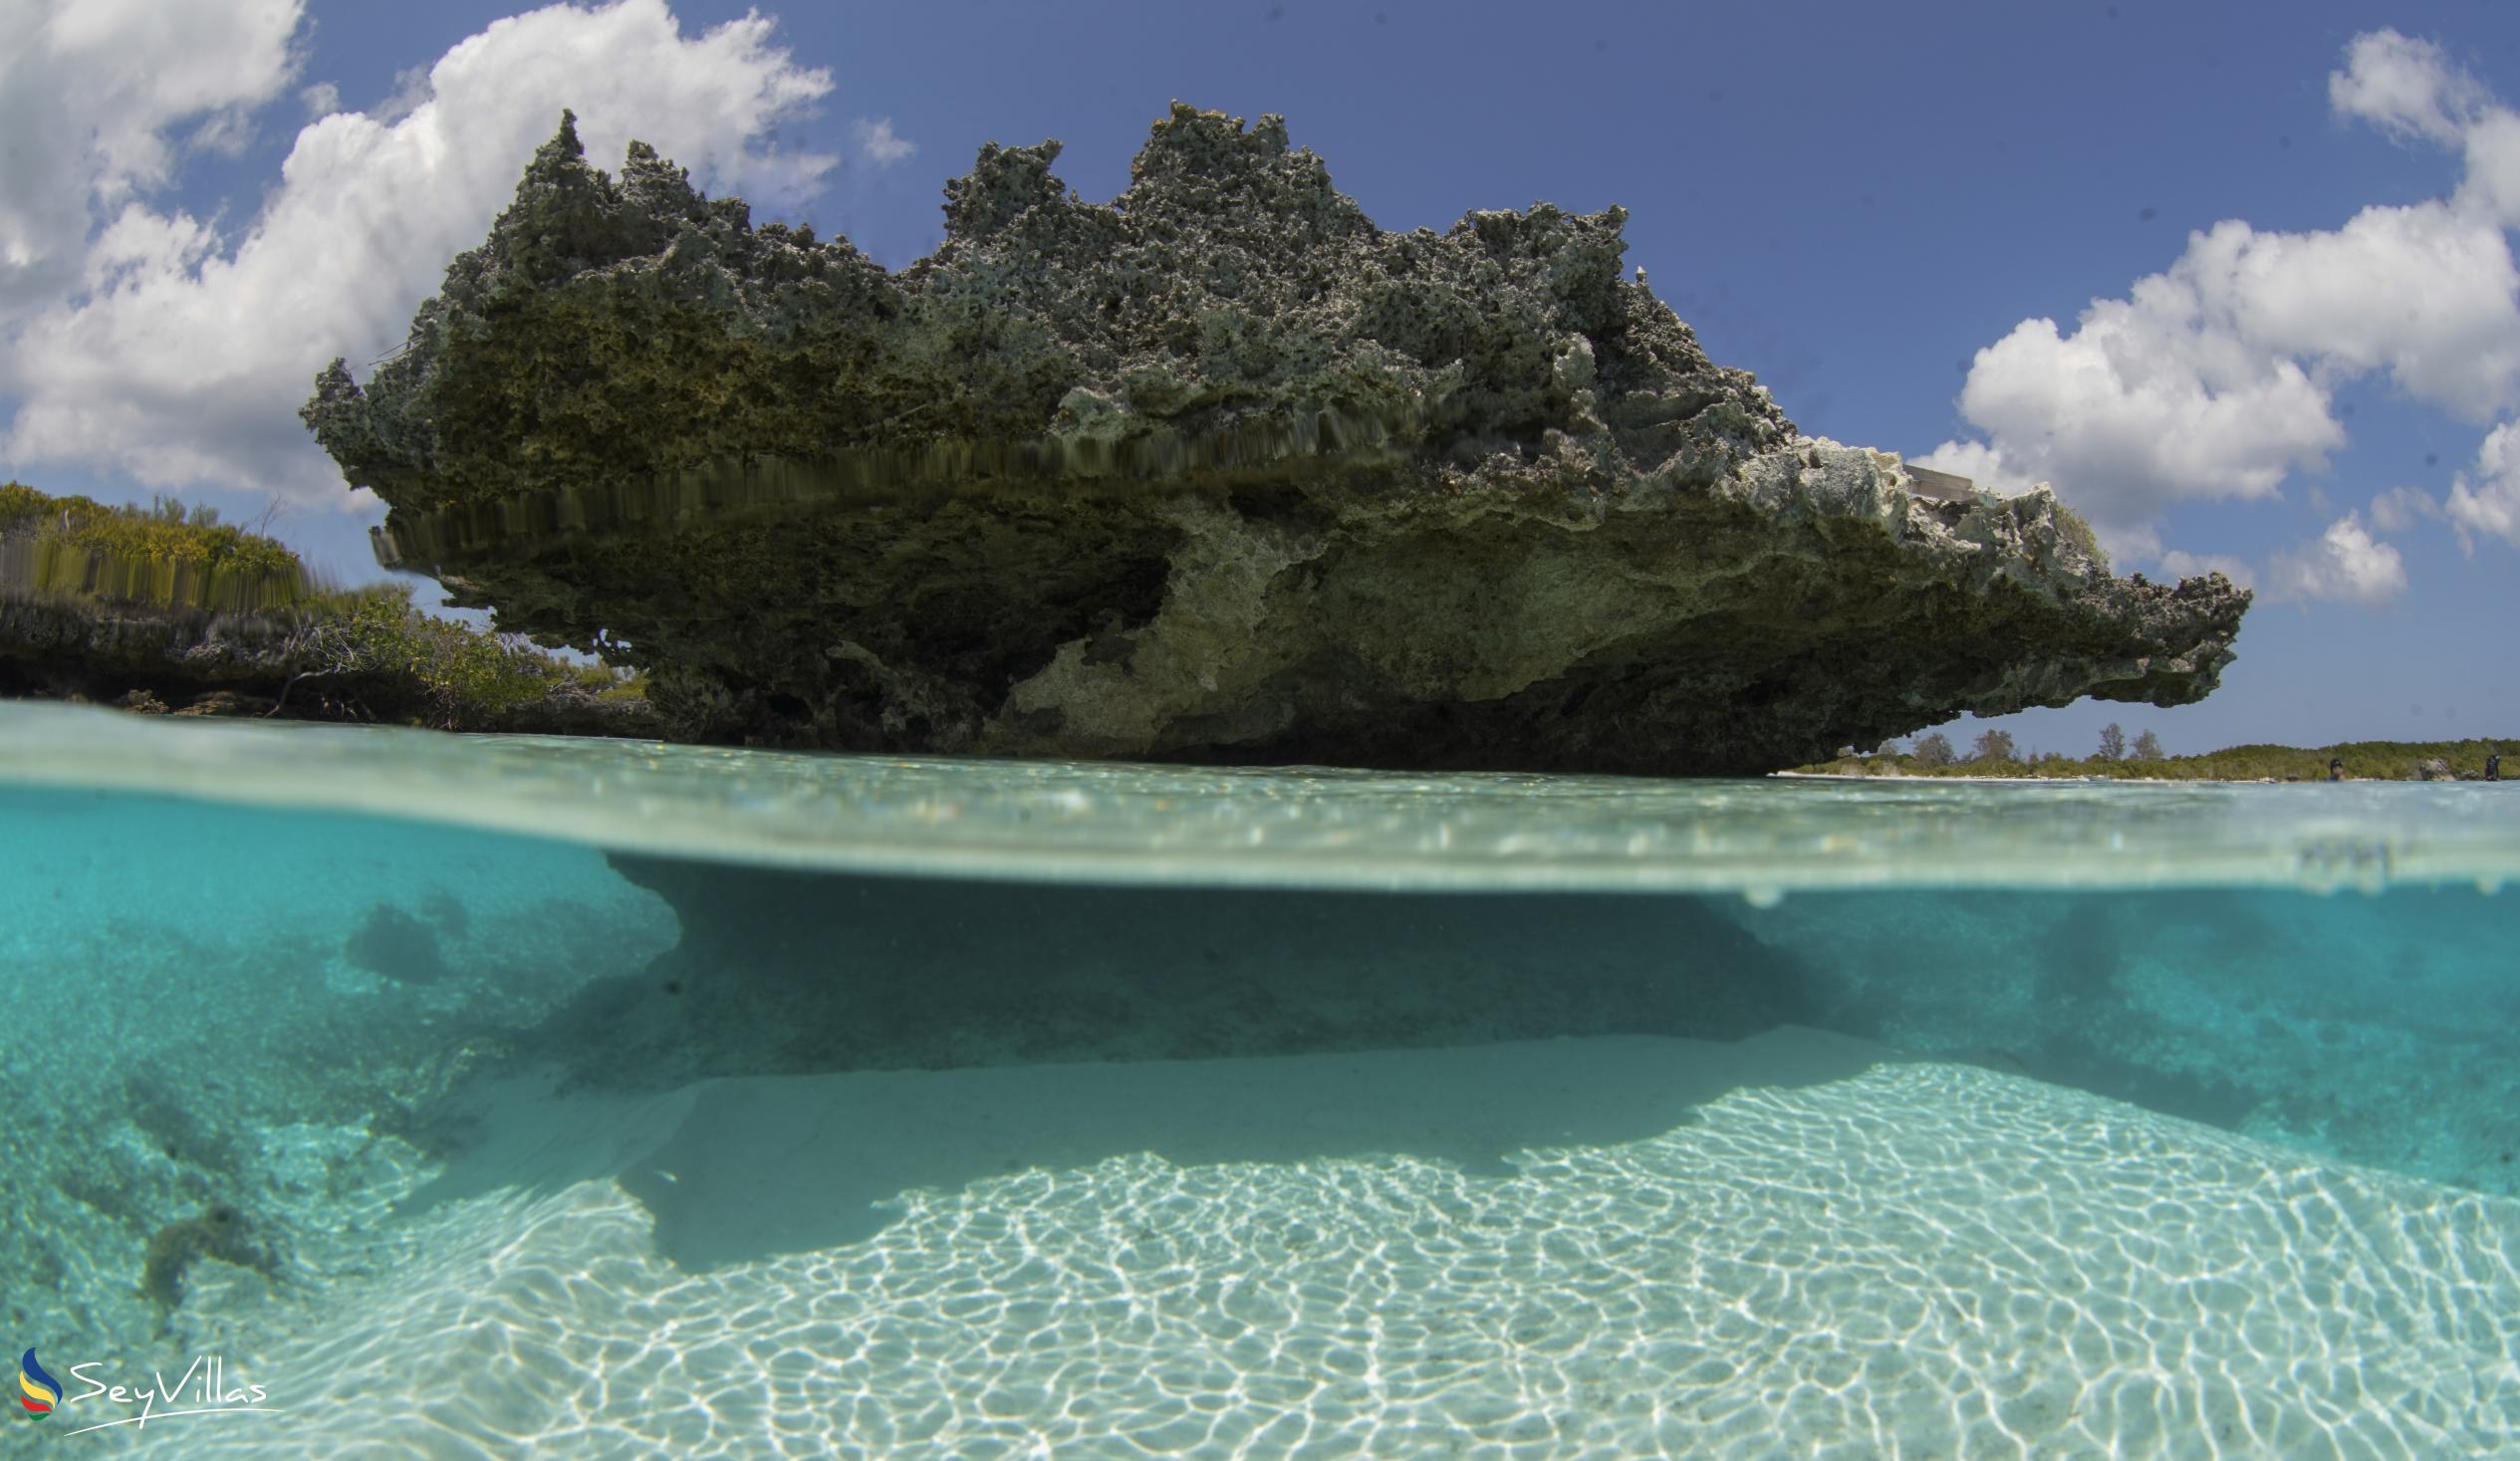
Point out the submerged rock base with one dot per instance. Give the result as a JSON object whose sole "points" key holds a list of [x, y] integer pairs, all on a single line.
{"points": [[797, 973]]}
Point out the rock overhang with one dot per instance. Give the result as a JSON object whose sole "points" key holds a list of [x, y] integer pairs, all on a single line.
{"points": [[1217, 470]]}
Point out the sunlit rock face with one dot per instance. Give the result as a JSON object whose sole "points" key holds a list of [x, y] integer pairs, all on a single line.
{"points": [[1218, 470]]}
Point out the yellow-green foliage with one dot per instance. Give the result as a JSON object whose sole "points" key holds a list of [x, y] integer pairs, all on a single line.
{"points": [[2363, 761], [621, 687], [167, 554], [2072, 527], [469, 679]]}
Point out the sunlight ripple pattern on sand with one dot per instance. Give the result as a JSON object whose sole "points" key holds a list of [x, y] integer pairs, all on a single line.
{"points": [[1924, 1259]]}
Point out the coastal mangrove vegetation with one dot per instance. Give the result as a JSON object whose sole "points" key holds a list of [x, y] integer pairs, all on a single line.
{"points": [[169, 555], [1933, 755], [168, 610]]}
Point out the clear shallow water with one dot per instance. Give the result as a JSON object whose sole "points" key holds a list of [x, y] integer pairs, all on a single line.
{"points": [[1161, 825], [1198, 1112]]}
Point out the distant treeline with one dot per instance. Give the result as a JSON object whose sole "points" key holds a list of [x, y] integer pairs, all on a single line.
{"points": [[1994, 753]]}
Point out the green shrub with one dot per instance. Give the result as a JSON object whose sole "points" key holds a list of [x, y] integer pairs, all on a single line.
{"points": [[467, 679], [2363, 761], [2075, 531], [167, 554]]}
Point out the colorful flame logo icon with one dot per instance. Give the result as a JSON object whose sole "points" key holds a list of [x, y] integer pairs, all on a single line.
{"points": [[37, 1390]]}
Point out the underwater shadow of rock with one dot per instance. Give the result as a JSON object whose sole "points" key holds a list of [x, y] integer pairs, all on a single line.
{"points": [[2079, 989], [790, 973], [735, 1170], [2090, 953]]}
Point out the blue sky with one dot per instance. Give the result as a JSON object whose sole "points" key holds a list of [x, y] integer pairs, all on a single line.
{"points": [[2298, 228]]}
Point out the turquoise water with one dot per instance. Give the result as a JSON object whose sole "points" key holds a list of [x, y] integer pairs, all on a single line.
{"points": [[762, 1105]]}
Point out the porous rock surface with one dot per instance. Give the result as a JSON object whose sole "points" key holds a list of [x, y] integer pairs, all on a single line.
{"points": [[1219, 470]]}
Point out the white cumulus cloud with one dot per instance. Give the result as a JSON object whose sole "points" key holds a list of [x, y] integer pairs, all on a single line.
{"points": [[99, 99], [2401, 508], [878, 143], [1982, 464], [2493, 184], [2428, 294], [2406, 86], [2346, 562], [2178, 563], [2214, 377], [2138, 408], [2487, 501], [179, 355]]}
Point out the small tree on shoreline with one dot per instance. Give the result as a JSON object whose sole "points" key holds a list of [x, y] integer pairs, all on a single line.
{"points": [[2113, 742], [2148, 747]]}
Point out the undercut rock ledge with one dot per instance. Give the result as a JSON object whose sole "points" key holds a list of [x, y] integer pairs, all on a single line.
{"points": [[1217, 471]]}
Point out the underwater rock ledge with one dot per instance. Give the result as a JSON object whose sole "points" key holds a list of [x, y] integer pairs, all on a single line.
{"points": [[1217, 471], [792, 973]]}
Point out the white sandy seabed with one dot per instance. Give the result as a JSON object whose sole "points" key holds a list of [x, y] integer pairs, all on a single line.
{"points": [[1807, 1251]]}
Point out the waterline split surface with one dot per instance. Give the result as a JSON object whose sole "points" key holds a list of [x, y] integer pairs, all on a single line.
{"points": [[1091, 822], [784, 1106]]}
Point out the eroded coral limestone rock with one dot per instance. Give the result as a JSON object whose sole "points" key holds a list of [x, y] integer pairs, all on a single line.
{"points": [[1218, 470]]}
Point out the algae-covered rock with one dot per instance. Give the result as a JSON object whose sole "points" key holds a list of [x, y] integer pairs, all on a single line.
{"points": [[1218, 470]]}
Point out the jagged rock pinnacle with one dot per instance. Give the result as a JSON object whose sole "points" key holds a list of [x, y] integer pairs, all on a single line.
{"points": [[1218, 470]]}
